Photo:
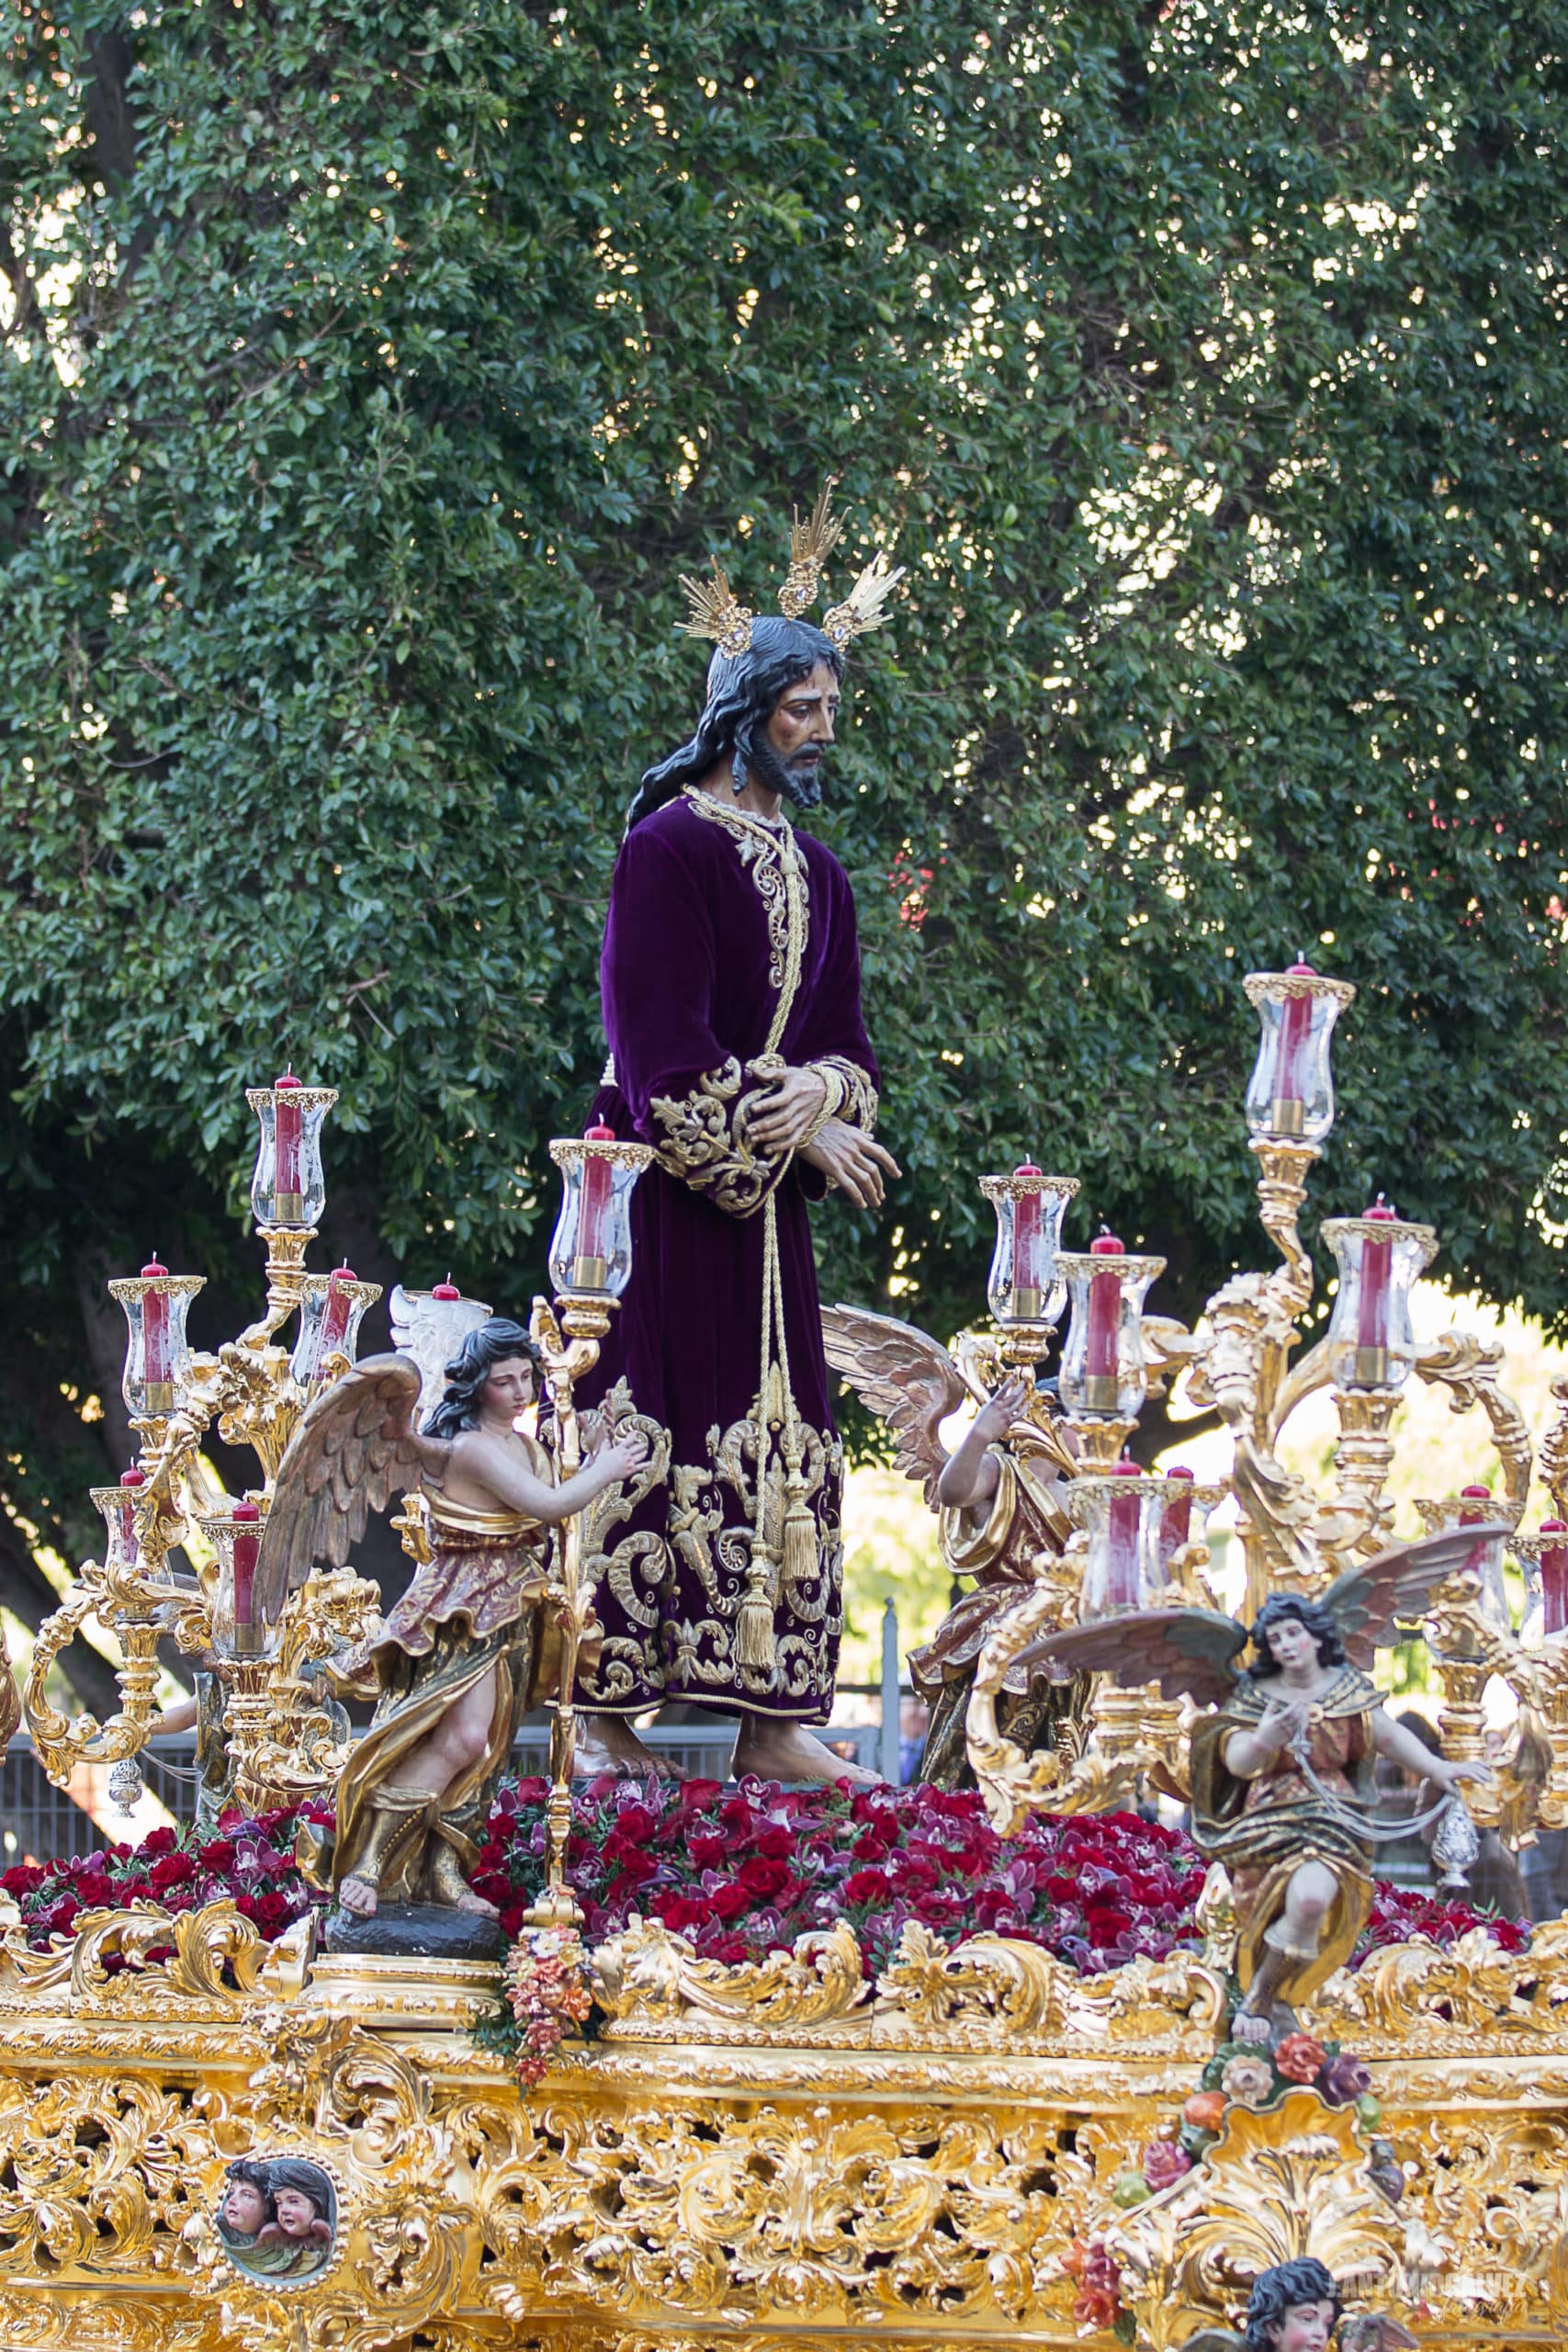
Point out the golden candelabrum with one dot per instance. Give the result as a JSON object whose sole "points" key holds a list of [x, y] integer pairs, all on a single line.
{"points": [[590, 1265], [280, 1739], [1240, 1364]]}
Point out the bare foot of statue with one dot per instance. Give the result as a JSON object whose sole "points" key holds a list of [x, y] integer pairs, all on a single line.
{"points": [[609, 1743], [450, 1888], [359, 1895], [780, 1751]]}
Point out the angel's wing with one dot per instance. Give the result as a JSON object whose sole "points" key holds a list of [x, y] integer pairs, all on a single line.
{"points": [[432, 1330], [355, 1449], [1396, 1587], [902, 1374], [1375, 2332], [1191, 1652]]}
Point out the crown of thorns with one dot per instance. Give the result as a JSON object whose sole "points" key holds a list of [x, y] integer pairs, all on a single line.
{"points": [[714, 611]]}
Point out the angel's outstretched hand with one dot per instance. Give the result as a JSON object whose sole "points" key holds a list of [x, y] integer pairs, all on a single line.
{"points": [[1283, 1722], [995, 1418], [616, 1458]]}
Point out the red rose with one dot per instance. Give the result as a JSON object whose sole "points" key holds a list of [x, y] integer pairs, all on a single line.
{"points": [[218, 1854], [158, 1841], [680, 1912], [23, 1878], [865, 1886], [173, 1869]]}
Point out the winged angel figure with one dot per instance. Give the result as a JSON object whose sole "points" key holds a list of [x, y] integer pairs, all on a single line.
{"points": [[995, 1498], [1282, 1768], [471, 1645], [1296, 2307]]}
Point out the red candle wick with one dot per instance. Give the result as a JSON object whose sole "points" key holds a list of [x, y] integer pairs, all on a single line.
{"points": [[152, 1272], [133, 1476], [448, 1289], [287, 1079]]}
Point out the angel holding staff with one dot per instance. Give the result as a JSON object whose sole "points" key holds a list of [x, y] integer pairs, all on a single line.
{"points": [[1281, 1769], [473, 1643]]}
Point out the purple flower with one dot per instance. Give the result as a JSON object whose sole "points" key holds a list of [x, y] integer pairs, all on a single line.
{"points": [[1343, 2079]]}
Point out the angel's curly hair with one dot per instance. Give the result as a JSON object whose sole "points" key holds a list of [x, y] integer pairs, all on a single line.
{"points": [[1318, 1621], [1277, 2291], [494, 1342]]}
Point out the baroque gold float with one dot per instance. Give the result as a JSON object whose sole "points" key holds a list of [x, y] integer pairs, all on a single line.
{"points": [[791, 2151]]}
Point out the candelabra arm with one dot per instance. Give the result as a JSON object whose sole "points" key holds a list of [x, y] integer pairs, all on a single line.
{"points": [[1554, 1450], [1282, 1195], [568, 1338], [286, 1247], [1467, 1366]]}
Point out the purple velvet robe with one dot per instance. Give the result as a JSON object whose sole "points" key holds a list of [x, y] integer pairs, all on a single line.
{"points": [[692, 963]]}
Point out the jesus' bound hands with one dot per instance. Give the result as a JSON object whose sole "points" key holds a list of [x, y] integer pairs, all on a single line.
{"points": [[853, 1161]]}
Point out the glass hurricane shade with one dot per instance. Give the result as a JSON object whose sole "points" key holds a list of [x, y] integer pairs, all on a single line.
{"points": [[118, 1506], [1484, 1559], [1103, 1373], [157, 1353], [1126, 1513], [1370, 1343], [1290, 1093], [331, 1308], [235, 1536], [591, 1250], [1024, 1286], [287, 1187]]}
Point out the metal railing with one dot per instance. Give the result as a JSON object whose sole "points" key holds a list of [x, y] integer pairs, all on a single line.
{"points": [[41, 1822]]}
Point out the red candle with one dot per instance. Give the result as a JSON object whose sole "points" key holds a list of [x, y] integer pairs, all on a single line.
{"points": [[247, 1545], [1554, 1577], [448, 1289], [1176, 1524], [289, 1128], [591, 1259], [335, 1314], [157, 1363], [1026, 1283], [1372, 1316], [1100, 1353], [1290, 1069], [1121, 1543]]}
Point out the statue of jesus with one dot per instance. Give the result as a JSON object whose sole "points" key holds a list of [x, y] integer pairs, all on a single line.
{"points": [[730, 981]]}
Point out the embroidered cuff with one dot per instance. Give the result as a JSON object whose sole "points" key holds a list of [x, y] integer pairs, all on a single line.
{"points": [[857, 1097], [704, 1142]]}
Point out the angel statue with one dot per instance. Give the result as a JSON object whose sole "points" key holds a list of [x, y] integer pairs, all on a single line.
{"points": [[996, 1499], [472, 1644], [1281, 1769], [1296, 2307]]}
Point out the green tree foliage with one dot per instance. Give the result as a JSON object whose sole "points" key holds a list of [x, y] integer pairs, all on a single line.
{"points": [[371, 371]]}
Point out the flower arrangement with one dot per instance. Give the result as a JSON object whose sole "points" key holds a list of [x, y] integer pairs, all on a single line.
{"points": [[547, 1991], [248, 1861], [1095, 2270], [742, 1871]]}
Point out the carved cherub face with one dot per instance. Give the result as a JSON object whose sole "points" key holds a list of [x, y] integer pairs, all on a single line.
{"points": [[296, 2212], [245, 2206], [508, 1389], [1307, 2327]]}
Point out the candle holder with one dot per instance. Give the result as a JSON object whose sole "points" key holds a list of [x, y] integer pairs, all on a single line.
{"points": [[1370, 1343], [591, 1250], [235, 1536], [1546, 1554], [117, 1506], [1290, 1097], [1104, 1369], [331, 1309], [1025, 1289], [157, 1354], [590, 1262], [288, 1189], [1122, 1511]]}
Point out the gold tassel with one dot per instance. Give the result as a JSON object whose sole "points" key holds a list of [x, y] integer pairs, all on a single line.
{"points": [[799, 1536], [754, 1650]]}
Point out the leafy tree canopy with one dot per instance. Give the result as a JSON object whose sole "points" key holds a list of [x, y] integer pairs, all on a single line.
{"points": [[371, 370]]}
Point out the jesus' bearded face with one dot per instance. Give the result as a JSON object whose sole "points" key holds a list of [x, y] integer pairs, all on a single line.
{"points": [[787, 756]]}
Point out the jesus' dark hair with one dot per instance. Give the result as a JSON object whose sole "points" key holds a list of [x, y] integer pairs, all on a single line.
{"points": [[1277, 2293], [1317, 1620], [494, 1342], [744, 690]]}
